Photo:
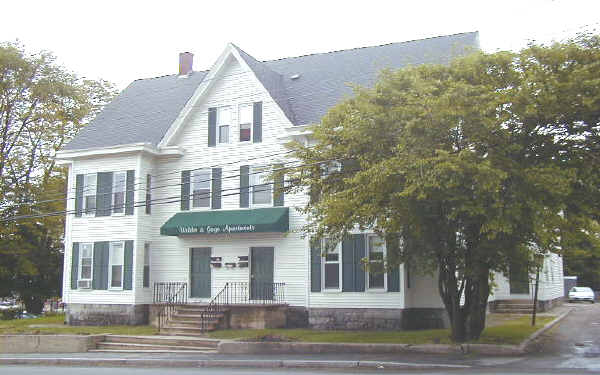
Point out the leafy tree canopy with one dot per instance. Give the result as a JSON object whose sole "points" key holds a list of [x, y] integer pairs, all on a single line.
{"points": [[42, 106], [470, 164]]}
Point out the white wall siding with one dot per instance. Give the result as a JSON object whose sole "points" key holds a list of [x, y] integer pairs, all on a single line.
{"points": [[96, 229], [170, 255], [551, 282]]}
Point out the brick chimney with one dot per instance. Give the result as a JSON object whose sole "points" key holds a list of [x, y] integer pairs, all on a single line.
{"points": [[186, 60]]}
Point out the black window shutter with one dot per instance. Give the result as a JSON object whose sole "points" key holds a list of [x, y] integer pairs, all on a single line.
{"points": [[359, 253], [257, 123], [212, 127], [348, 269], [244, 186], [353, 274], [216, 188], [392, 242], [129, 195], [278, 195], [148, 194], [100, 271], [185, 190], [393, 282], [315, 266], [74, 265], [128, 266], [78, 195], [104, 193]]}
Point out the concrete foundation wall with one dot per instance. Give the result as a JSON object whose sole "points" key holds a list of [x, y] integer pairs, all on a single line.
{"points": [[257, 317], [104, 314], [48, 343], [395, 319]]}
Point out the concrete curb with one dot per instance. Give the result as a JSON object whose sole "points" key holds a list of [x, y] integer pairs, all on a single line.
{"points": [[269, 348], [236, 347], [156, 363]]}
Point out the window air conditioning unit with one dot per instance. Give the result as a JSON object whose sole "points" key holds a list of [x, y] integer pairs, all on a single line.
{"points": [[84, 284]]}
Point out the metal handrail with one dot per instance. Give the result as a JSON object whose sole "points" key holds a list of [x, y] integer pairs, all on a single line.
{"points": [[236, 293], [170, 294]]}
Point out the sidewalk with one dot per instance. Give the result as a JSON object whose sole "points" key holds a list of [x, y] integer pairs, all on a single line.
{"points": [[405, 361]]}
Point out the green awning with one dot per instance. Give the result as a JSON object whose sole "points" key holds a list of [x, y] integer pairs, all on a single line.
{"points": [[272, 219]]}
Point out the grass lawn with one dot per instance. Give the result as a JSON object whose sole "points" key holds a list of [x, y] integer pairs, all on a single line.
{"points": [[504, 330], [54, 325], [512, 331]]}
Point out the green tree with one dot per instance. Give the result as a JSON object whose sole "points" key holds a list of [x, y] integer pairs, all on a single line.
{"points": [[42, 106], [463, 167]]}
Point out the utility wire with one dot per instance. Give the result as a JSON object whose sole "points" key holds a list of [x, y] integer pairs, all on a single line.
{"points": [[176, 184], [157, 201], [171, 199]]}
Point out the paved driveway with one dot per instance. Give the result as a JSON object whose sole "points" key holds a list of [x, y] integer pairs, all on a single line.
{"points": [[574, 343]]}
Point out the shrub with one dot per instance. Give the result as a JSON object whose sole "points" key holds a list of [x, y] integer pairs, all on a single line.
{"points": [[10, 313]]}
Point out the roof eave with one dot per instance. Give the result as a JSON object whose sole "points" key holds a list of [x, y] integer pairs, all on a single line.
{"points": [[67, 156]]}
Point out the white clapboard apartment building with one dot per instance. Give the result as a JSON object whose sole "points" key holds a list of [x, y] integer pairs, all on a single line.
{"points": [[170, 198]]}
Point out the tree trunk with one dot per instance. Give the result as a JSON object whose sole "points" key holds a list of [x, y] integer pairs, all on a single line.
{"points": [[478, 307], [467, 322], [34, 304]]}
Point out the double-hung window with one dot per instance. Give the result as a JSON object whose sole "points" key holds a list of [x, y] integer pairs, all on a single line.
{"points": [[89, 194], [376, 252], [201, 181], [330, 167], [331, 266], [86, 264], [261, 187], [245, 121], [116, 261], [118, 189], [223, 123]]}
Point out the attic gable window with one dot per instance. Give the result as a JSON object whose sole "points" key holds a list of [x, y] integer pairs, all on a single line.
{"points": [[245, 120], [223, 123]]}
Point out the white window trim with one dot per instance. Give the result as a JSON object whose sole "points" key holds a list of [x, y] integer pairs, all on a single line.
{"points": [[210, 195], [80, 261], [110, 265], [339, 262], [329, 168], [252, 176], [230, 125], [87, 192], [367, 286], [112, 198]]}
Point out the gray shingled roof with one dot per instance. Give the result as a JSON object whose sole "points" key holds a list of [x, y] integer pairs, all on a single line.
{"points": [[146, 108]]}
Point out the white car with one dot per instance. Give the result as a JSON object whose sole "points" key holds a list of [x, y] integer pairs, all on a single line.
{"points": [[581, 293]]}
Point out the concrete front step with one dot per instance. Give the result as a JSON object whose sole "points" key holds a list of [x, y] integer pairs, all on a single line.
{"points": [[185, 324], [196, 317], [211, 351], [515, 305], [129, 346], [511, 311], [163, 340], [197, 328], [185, 331]]}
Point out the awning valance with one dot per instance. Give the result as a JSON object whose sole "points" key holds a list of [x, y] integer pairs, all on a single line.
{"points": [[271, 219]]}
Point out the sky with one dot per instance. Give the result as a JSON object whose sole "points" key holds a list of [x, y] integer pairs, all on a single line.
{"points": [[121, 41]]}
